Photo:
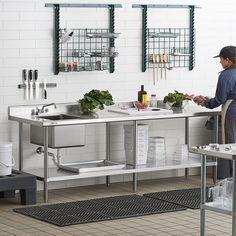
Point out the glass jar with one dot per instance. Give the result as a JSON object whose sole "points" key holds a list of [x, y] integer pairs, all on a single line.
{"points": [[153, 100]]}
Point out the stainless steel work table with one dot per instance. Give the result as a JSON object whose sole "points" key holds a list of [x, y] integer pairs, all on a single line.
{"points": [[22, 114], [228, 152]]}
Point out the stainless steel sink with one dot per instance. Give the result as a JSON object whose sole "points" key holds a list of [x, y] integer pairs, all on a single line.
{"points": [[59, 136], [58, 117]]}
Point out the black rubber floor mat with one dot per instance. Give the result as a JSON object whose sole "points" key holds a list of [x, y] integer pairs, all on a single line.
{"points": [[63, 214], [189, 198]]}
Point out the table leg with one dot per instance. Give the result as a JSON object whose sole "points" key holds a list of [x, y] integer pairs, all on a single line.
{"points": [[45, 179], [135, 155], [234, 201], [203, 195], [135, 179], [108, 141], [20, 146], [187, 141], [216, 129]]}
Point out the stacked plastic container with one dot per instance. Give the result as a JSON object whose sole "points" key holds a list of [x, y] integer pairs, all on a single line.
{"points": [[222, 193], [181, 152], [156, 149], [142, 144]]}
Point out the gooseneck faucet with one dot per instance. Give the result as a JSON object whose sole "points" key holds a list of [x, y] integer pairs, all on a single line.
{"points": [[47, 105], [38, 111]]}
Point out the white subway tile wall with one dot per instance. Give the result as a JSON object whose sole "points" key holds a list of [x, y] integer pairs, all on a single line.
{"points": [[26, 42]]}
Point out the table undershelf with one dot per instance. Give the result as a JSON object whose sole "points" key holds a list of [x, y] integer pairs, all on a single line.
{"points": [[212, 206], [55, 174]]}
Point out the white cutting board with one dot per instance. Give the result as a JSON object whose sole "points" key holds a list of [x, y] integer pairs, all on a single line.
{"points": [[148, 111]]}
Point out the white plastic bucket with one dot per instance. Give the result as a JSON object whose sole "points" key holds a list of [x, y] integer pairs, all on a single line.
{"points": [[6, 159]]}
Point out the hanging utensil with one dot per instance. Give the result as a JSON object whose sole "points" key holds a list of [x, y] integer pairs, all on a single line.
{"points": [[165, 60], [157, 61], [36, 85], [154, 69], [26, 94], [30, 80], [154, 60], [161, 60], [44, 90]]}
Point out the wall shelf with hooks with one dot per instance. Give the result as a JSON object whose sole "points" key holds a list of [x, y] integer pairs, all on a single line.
{"points": [[176, 44], [171, 42], [84, 49]]}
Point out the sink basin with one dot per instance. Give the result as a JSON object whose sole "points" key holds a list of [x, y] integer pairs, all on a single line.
{"points": [[59, 136], [58, 117]]}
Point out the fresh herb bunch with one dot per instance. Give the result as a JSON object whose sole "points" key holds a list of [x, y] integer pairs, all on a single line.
{"points": [[95, 99], [177, 98]]}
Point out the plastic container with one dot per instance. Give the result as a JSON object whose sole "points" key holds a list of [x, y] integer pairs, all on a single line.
{"points": [[6, 159], [181, 152], [156, 149], [142, 144], [153, 100]]}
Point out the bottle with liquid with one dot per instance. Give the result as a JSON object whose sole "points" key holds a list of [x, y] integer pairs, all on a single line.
{"points": [[140, 93], [153, 100], [144, 97]]}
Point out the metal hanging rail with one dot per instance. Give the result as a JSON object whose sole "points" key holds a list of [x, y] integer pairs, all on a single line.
{"points": [[162, 6], [83, 5]]}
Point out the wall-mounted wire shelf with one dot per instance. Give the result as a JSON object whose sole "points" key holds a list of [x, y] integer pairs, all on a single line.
{"points": [[182, 55], [173, 43], [86, 50], [87, 60]]}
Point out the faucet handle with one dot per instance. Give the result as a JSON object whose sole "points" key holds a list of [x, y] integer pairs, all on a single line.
{"points": [[35, 111]]}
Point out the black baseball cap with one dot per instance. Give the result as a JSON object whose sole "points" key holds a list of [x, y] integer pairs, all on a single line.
{"points": [[227, 52]]}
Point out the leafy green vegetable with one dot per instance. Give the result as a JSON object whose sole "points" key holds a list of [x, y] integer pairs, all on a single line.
{"points": [[176, 98], [95, 99]]}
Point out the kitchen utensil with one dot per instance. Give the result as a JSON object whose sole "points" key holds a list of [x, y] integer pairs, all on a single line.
{"points": [[36, 85], [165, 60], [163, 35], [157, 62], [44, 95], [175, 54], [154, 69], [30, 80], [26, 94], [161, 59], [66, 35], [102, 35]]}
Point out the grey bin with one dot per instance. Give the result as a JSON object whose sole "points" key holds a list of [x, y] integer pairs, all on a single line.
{"points": [[59, 136]]}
